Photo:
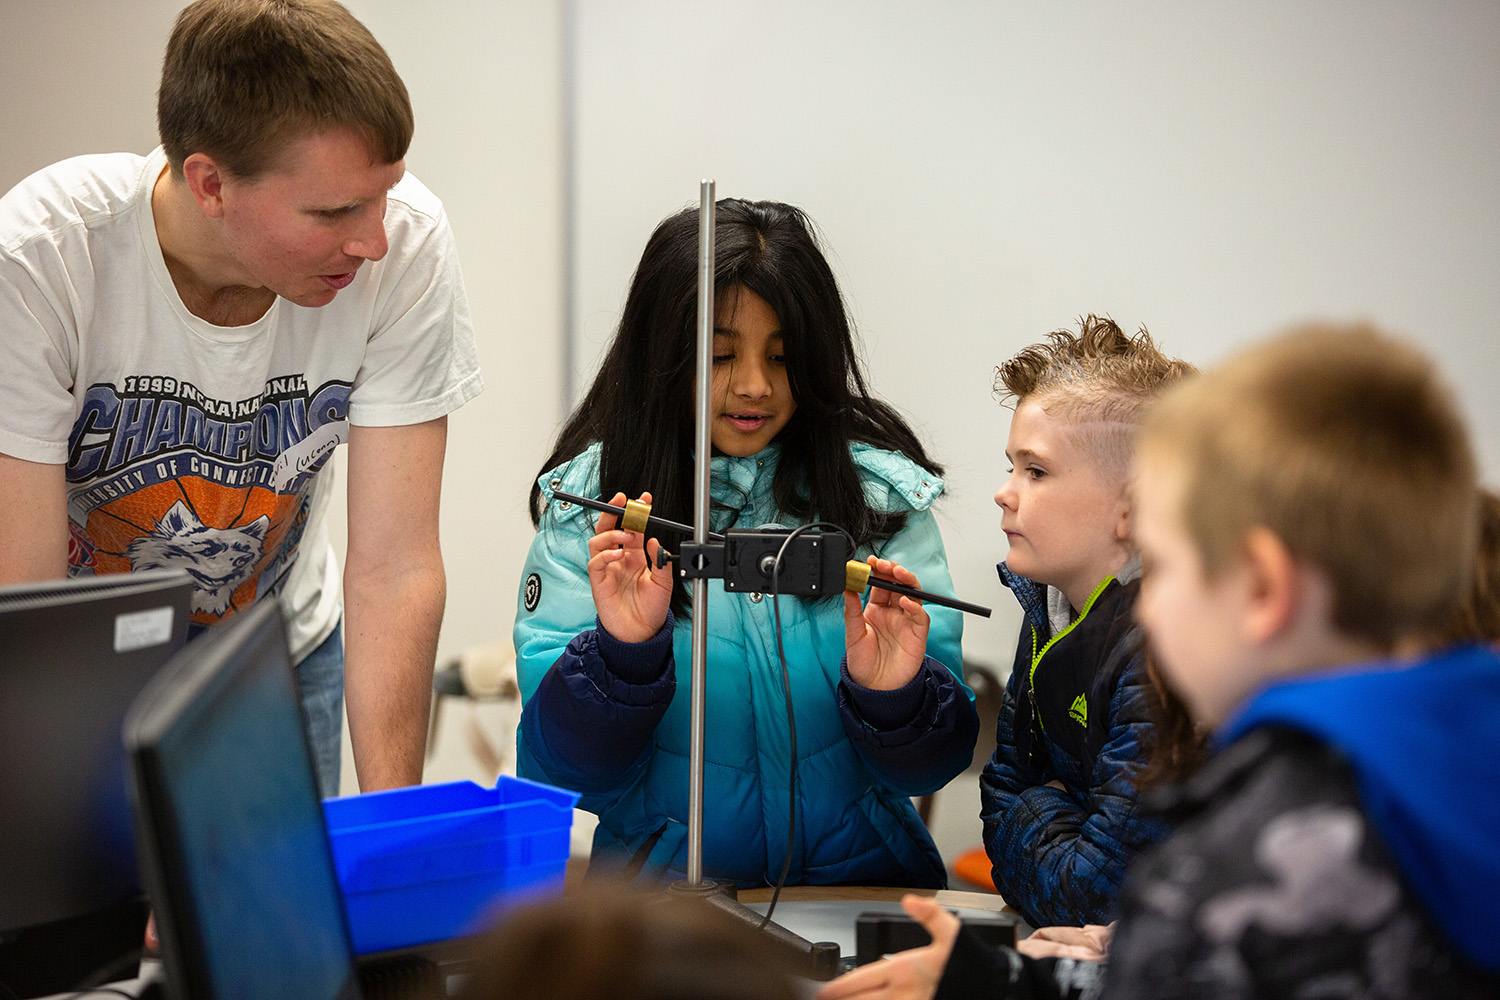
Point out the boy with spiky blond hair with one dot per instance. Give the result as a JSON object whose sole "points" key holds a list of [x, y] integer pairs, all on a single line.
{"points": [[1061, 816], [1308, 517]]}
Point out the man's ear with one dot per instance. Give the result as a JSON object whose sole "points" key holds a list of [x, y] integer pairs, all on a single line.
{"points": [[1273, 586], [205, 179]]}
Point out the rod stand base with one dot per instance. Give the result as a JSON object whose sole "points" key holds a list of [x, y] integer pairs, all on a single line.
{"points": [[816, 960], [705, 888]]}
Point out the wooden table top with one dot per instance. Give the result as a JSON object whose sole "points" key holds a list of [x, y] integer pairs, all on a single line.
{"points": [[819, 893]]}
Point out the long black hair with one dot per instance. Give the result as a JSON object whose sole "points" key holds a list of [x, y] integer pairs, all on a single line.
{"points": [[640, 405]]}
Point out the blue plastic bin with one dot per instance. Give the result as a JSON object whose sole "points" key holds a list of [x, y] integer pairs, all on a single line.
{"points": [[434, 862]]}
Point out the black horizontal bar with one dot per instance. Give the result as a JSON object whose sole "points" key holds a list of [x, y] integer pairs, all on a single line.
{"points": [[609, 508], [687, 529], [922, 595]]}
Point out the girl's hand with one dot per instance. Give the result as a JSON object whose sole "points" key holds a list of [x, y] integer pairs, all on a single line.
{"points": [[630, 593], [887, 639], [906, 975]]}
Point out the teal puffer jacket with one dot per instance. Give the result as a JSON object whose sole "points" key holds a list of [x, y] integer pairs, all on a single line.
{"points": [[609, 720]]}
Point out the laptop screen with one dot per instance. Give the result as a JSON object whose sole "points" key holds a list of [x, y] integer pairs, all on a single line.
{"points": [[237, 859]]}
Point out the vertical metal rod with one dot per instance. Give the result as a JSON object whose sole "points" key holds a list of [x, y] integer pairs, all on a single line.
{"points": [[702, 446]]}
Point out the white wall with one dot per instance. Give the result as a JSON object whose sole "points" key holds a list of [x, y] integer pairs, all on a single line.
{"points": [[65, 91], [986, 172], [486, 86]]}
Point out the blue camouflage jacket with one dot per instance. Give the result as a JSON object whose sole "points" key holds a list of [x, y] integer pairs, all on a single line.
{"points": [[1338, 842], [1075, 710], [607, 719]]}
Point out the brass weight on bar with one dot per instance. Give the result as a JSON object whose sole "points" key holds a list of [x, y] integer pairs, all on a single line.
{"points": [[635, 516]]}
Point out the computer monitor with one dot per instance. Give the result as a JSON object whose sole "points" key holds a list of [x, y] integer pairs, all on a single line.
{"points": [[234, 849], [73, 655]]}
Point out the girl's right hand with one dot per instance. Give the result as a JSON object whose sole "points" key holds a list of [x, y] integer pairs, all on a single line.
{"points": [[631, 593]]}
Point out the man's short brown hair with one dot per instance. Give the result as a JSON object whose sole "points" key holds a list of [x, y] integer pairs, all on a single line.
{"points": [[243, 78], [1099, 379], [1348, 446]]}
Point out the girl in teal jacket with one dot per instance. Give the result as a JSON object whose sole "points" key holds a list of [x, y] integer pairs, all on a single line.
{"points": [[881, 712]]}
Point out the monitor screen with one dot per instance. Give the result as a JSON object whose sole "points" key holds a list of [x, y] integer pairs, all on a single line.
{"points": [[73, 655], [235, 850]]}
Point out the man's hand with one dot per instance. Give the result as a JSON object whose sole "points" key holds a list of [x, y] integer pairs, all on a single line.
{"points": [[906, 975], [631, 593], [887, 640]]}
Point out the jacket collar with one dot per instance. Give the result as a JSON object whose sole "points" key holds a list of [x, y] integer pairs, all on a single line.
{"points": [[1031, 595], [732, 478], [1039, 602]]}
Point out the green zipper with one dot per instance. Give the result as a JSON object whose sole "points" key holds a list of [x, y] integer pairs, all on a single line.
{"points": [[1036, 657]]}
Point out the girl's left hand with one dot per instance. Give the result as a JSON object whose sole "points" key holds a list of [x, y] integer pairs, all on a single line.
{"points": [[887, 639], [906, 975]]}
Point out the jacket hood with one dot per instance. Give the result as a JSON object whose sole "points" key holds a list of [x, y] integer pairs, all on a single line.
{"points": [[1424, 742]]}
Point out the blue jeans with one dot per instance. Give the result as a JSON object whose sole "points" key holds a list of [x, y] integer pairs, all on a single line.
{"points": [[320, 682]]}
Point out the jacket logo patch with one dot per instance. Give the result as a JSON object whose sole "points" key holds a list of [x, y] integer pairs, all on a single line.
{"points": [[533, 591], [1079, 713]]}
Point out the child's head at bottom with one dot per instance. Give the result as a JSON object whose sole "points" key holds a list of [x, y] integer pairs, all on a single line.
{"points": [[605, 939], [1310, 503], [1078, 400]]}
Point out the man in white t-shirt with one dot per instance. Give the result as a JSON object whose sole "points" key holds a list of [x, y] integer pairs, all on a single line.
{"points": [[186, 337]]}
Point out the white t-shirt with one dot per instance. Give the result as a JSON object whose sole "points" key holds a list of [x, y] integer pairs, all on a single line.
{"points": [[196, 446]]}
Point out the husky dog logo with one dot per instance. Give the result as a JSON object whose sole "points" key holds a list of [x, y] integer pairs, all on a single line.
{"points": [[218, 559]]}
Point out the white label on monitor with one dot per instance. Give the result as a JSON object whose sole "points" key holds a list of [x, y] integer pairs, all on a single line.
{"points": [[139, 629]]}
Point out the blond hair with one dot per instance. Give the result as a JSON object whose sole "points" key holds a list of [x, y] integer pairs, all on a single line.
{"points": [[243, 78], [1099, 380], [1347, 445]]}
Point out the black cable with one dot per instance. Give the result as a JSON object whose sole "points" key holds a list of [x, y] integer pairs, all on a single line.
{"points": [[791, 718]]}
